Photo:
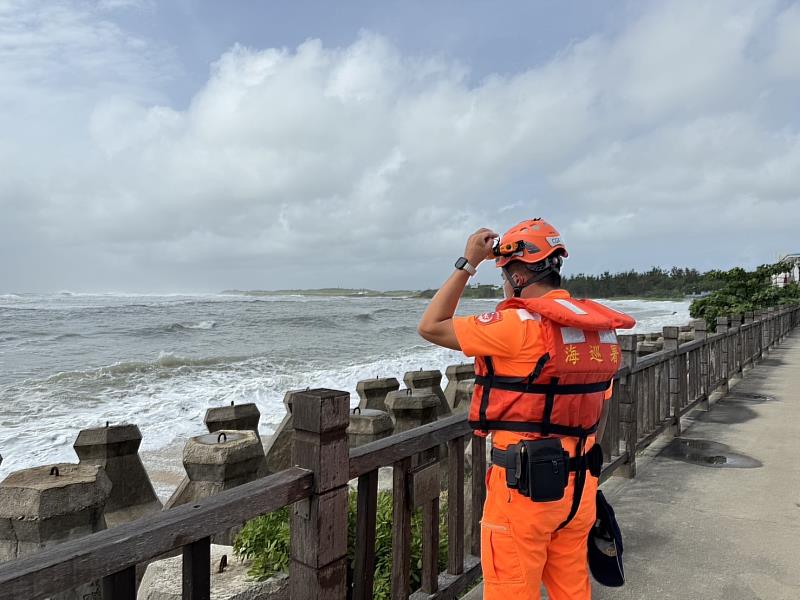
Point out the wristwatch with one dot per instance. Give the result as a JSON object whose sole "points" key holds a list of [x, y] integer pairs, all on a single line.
{"points": [[462, 264]]}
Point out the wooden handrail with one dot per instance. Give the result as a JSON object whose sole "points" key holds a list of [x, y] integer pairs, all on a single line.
{"points": [[389, 450], [79, 561]]}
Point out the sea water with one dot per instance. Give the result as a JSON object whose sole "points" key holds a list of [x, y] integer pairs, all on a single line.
{"points": [[74, 361]]}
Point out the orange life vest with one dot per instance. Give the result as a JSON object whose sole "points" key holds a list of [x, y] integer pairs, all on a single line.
{"points": [[564, 393]]}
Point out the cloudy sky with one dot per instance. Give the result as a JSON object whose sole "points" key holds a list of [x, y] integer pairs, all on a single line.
{"points": [[182, 145]]}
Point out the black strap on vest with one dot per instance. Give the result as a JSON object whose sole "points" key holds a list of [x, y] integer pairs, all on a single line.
{"points": [[537, 370], [532, 427], [487, 389], [580, 481], [549, 399], [520, 384]]}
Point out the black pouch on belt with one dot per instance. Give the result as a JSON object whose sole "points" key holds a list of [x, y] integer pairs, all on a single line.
{"points": [[547, 469]]}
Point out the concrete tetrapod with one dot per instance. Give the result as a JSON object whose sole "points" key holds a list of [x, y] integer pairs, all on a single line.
{"points": [[43, 506], [455, 375], [236, 417], [368, 425], [215, 462], [410, 409], [116, 449], [428, 382], [463, 397], [373, 392], [278, 448]]}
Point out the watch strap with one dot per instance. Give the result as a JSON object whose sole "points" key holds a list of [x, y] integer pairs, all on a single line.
{"points": [[463, 264]]}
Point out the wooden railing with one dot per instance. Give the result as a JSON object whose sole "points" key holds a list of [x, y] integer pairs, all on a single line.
{"points": [[112, 555], [416, 483], [650, 396], [654, 392]]}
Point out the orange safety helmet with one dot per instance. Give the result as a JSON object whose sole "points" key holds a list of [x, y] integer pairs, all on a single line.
{"points": [[534, 242], [530, 241]]}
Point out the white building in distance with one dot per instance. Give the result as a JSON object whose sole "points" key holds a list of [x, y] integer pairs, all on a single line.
{"points": [[792, 275]]}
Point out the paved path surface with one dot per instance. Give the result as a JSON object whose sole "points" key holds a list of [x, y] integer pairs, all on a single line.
{"points": [[722, 533], [714, 533]]}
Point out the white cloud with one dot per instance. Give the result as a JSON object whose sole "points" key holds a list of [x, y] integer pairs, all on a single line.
{"points": [[669, 142]]}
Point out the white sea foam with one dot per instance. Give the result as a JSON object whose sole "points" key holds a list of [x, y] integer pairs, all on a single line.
{"points": [[201, 325], [171, 409]]}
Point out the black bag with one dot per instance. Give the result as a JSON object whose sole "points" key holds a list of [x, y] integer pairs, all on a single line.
{"points": [[547, 469]]}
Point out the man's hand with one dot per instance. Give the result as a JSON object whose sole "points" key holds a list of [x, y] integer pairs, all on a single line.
{"points": [[436, 324], [479, 246]]}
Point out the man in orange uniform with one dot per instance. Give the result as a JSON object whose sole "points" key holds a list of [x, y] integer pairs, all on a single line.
{"points": [[544, 365]]}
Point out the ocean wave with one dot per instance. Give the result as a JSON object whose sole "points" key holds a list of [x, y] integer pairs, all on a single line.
{"points": [[309, 320], [67, 336], [203, 325], [398, 330], [165, 360]]}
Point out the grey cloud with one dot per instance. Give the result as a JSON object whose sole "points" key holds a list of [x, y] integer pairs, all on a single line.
{"points": [[360, 165]]}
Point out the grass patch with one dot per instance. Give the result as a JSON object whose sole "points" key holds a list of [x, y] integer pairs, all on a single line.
{"points": [[265, 542]]}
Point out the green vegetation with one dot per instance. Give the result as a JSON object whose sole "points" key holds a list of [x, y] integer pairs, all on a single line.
{"points": [[740, 291], [471, 291], [657, 283], [265, 541]]}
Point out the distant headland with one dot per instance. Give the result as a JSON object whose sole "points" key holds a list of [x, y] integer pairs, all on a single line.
{"points": [[472, 291]]}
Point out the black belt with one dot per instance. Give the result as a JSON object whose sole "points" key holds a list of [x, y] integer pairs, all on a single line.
{"points": [[592, 461]]}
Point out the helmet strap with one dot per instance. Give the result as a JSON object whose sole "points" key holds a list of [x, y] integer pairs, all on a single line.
{"points": [[553, 266]]}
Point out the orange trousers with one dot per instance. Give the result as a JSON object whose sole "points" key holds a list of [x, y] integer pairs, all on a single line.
{"points": [[521, 549]]}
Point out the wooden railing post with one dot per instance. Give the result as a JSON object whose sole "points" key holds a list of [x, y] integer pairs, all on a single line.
{"points": [[722, 327], [196, 568], [478, 492], [675, 374], [773, 329], [750, 345], [121, 585], [455, 506], [627, 407], [736, 324], [701, 333], [758, 315], [768, 328], [318, 547]]}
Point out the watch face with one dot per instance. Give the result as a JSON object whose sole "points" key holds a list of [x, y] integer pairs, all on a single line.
{"points": [[461, 262]]}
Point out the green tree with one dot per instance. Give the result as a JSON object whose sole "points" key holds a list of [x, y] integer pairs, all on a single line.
{"points": [[740, 291]]}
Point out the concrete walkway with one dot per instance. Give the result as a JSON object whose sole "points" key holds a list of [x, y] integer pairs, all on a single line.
{"points": [[707, 532]]}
